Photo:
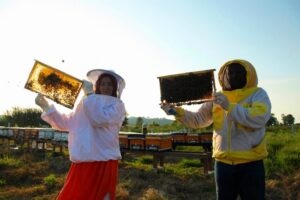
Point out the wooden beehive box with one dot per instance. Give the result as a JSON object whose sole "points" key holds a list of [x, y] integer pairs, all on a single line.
{"points": [[206, 141], [15, 131], [136, 141], [158, 141], [179, 137], [20, 135], [27, 133], [46, 133], [187, 88], [34, 133], [10, 133], [123, 140], [4, 132], [193, 138], [60, 137], [206, 137]]}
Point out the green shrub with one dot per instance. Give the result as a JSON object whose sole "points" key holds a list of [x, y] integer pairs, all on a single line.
{"points": [[2, 182], [7, 162], [50, 181]]}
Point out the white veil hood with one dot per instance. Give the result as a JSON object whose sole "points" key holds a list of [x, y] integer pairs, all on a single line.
{"points": [[94, 74]]}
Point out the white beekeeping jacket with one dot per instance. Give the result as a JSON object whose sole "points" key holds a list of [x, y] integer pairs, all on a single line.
{"points": [[93, 128]]}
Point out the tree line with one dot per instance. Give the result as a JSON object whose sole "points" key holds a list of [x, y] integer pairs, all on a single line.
{"points": [[31, 117], [22, 117], [287, 120]]}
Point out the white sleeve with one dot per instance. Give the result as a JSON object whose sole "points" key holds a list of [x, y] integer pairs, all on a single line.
{"points": [[57, 120], [254, 115], [200, 119], [104, 110]]}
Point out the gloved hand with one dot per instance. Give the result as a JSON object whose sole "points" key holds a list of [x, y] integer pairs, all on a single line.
{"points": [[87, 88], [221, 100], [168, 108], [42, 102]]}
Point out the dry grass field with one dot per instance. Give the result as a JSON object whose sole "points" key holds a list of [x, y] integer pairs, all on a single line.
{"points": [[39, 175]]}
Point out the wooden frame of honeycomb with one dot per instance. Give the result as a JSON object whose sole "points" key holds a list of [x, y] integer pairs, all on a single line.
{"points": [[54, 84], [187, 88]]}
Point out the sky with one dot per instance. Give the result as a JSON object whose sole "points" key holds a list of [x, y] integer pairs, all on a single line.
{"points": [[142, 40]]}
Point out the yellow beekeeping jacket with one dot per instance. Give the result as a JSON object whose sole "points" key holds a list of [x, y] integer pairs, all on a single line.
{"points": [[239, 132]]}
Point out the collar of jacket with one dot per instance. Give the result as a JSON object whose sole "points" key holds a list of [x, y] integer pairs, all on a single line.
{"points": [[236, 96]]}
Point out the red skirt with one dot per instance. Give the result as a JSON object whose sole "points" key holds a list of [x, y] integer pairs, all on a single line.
{"points": [[90, 181]]}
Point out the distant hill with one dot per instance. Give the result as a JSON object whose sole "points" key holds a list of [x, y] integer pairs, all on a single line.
{"points": [[147, 120]]}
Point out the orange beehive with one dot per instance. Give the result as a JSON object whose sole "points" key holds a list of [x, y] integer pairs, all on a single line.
{"points": [[123, 140], [179, 137], [158, 141], [206, 141], [206, 137], [136, 141], [193, 138]]}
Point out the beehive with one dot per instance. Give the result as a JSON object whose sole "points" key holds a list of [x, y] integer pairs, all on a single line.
{"points": [[34, 133], [158, 141], [46, 133], [60, 136], [179, 137], [136, 141], [206, 140], [27, 133], [4, 132], [15, 131], [193, 138], [123, 140], [206, 137]]}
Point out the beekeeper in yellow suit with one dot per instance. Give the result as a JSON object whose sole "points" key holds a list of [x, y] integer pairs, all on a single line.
{"points": [[239, 114]]}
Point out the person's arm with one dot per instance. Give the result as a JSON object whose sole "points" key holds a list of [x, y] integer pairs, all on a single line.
{"points": [[200, 119], [51, 115], [104, 110], [56, 119], [255, 115]]}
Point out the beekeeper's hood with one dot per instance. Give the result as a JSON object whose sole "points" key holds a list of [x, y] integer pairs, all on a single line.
{"points": [[251, 77], [94, 74]]}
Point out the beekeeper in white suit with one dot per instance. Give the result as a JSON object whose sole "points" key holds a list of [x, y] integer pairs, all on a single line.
{"points": [[93, 140]]}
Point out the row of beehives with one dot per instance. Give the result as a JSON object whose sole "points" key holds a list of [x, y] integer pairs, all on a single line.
{"points": [[19, 133], [128, 140], [163, 141]]}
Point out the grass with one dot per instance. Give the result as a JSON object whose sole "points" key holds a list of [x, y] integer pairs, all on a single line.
{"points": [[142, 182], [284, 153], [8, 162], [39, 175]]}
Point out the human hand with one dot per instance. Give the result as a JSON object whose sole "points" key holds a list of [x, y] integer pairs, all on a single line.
{"points": [[221, 100], [168, 108], [42, 102], [87, 88]]}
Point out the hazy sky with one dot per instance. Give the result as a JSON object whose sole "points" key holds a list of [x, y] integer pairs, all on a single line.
{"points": [[144, 39]]}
